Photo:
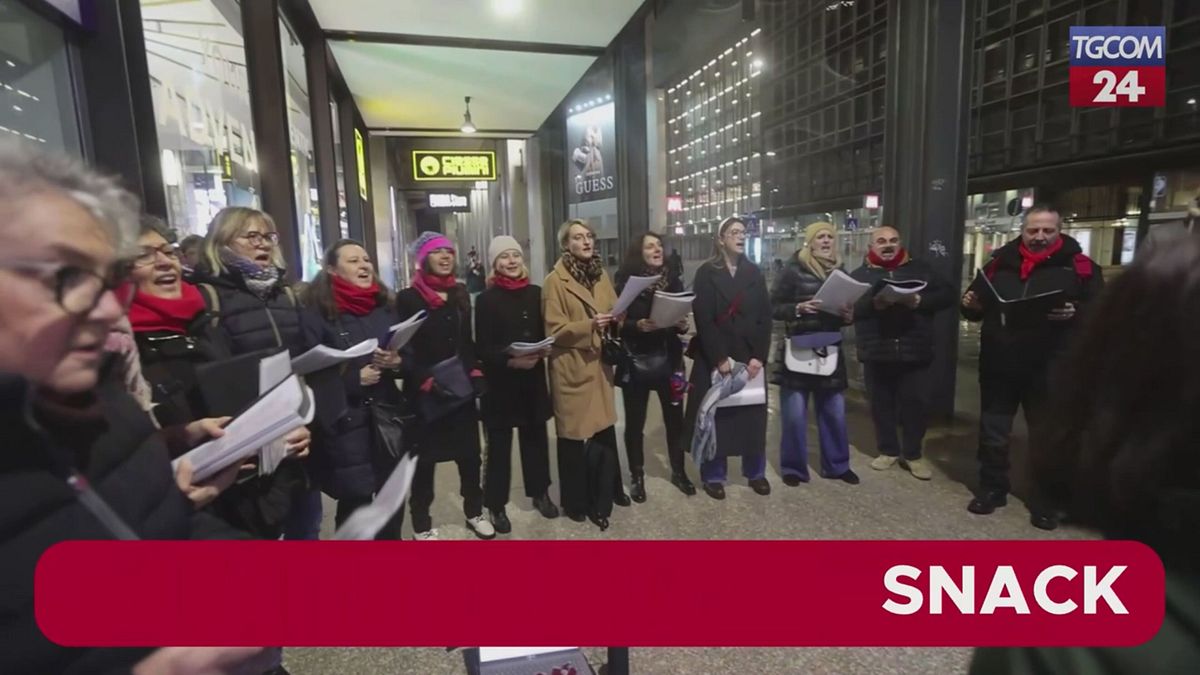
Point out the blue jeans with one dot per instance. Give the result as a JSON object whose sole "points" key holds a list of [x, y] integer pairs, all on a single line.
{"points": [[715, 470], [304, 520], [830, 408]]}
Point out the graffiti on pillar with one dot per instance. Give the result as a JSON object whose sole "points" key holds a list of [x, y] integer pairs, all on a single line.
{"points": [[937, 183], [937, 248]]}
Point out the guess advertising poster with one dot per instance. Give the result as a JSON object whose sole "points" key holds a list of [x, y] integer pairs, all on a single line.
{"points": [[591, 154]]}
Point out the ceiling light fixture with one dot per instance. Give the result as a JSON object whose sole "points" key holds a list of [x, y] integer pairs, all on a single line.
{"points": [[507, 7], [468, 127]]}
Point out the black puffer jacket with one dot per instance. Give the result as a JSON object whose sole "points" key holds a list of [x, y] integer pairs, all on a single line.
{"points": [[796, 284], [119, 450], [897, 334], [1005, 350], [169, 363], [251, 323]]}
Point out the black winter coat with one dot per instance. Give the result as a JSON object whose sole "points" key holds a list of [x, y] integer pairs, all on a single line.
{"points": [[897, 334], [344, 442], [445, 333], [663, 339], [796, 284], [514, 397], [1006, 351], [169, 361], [126, 462]]}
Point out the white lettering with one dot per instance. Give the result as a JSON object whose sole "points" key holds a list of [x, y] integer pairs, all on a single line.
{"points": [[940, 583], [1094, 591], [1043, 581], [891, 581], [1005, 591], [439, 200], [1118, 46]]}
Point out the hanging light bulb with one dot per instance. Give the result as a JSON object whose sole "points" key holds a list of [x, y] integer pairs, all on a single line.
{"points": [[468, 127]]}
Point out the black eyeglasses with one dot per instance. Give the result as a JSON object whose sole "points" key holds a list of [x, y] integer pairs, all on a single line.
{"points": [[148, 254], [256, 238], [78, 290]]}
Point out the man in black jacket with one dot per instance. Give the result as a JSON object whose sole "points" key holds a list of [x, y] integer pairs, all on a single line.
{"points": [[894, 331], [1017, 351]]}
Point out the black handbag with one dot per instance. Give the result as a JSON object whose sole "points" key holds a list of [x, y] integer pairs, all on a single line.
{"points": [[641, 369], [452, 389], [387, 429]]}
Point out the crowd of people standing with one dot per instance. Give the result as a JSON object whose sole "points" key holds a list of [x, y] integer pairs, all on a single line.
{"points": [[120, 351]]}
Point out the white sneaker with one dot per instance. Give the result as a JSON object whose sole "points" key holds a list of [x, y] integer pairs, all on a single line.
{"points": [[427, 535], [482, 527], [919, 468], [883, 462]]}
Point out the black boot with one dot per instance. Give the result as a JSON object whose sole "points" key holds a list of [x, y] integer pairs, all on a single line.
{"points": [[680, 480], [500, 520], [637, 488], [988, 501], [1044, 521], [621, 499], [545, 507]]}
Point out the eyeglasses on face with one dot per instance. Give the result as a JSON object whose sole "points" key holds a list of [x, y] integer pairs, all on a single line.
{"points": [[148, 254], [78, 290], [257, 238]]}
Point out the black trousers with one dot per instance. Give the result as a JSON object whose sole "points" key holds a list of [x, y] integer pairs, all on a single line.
{"points": [[1001, 395], [589, 473], [535, 463], [899, 395], [637, 402], [421, 497], [390, 531]]}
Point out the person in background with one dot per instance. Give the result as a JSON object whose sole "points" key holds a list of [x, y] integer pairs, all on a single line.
{"points": [[437, 362], [346, 305], [242, 281], [732, 311], [63, 419], [675, 263], [1121, 456], [475, 274], [794, 304], [509, 311], [895, 345], [577, 303], [1015, 360], [643, 337], [191, 252]]}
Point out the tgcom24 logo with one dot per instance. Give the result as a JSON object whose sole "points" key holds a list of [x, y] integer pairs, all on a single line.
{"points": [[1123, 66]]}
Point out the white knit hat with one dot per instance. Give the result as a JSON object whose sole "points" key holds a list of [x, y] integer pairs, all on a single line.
{"points": [[500, 245]]}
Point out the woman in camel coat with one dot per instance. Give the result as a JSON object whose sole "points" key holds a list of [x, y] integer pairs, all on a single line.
{"points": [[577, 300]]}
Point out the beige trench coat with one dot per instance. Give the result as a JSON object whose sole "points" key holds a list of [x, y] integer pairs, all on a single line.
{"points": [[581, 385]]}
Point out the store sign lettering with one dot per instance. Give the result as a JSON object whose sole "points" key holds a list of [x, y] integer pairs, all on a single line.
{"points": [[439, 200], [204, 124], [431, 165], [585, 186], [359, 154]]}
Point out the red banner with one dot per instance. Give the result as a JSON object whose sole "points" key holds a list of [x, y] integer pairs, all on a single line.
{"points": [[627, 593]]}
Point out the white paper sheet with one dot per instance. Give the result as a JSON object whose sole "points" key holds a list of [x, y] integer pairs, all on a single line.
{"points": [[273, 370], [405, 330], [367, 521], [633, 288], [669, 308], [268, 418], [322, 357], [897, 291], [839, 290], [523, 348], [754, 393]]}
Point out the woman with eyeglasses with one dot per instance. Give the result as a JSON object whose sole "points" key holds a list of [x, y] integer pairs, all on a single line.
{"points": [[732, 311], [241, 279], [63, 418]]}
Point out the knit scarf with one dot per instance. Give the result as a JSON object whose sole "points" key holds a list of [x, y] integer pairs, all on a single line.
{"points": [[664, 279], [509, 283], [150, 313], [586, 272], [1030, 260], [260, 281], [900, 258], [428, 286], [351, 299]]}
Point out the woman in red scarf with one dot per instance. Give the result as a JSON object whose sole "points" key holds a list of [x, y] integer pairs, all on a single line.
{"points": [[347, 305]]}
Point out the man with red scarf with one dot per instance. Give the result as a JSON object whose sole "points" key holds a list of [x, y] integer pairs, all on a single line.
{"points": [[895, 344], [1015, 358]]}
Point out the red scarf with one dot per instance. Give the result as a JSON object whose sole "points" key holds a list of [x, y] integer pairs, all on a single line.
{"points": [[900, 258], [1030, 260], [352, 299], [150, 313], [429, 284], [508, 283]]}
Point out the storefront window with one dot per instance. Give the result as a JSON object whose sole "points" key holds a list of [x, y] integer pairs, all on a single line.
{"points": [[36, 104], [304, 168], [197, 63], [343, 220]]}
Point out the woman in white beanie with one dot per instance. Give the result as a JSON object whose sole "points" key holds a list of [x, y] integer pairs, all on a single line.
{"points": [[508, 311]]}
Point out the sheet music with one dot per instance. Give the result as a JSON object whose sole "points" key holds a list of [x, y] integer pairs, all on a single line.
{"points": [[405, 330], [367, 521], [322, 357], [895, 291], [839, 290], [523, 348], [633, 288], [669, 308], [754, 393]]}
